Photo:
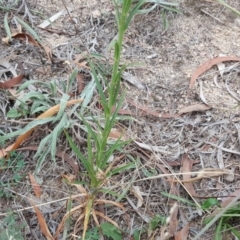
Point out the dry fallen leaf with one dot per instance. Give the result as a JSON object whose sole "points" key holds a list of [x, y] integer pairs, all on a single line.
{"points": [[48, 52], [172, 219], [115, 134], [183, 233], [80, 81], [36, 187], [12, 82], [5, 152], [22, 36], [207, 65], [194, 108], [187, 168], [42, 223]]}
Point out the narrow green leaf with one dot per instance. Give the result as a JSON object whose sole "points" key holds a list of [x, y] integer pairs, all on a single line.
{"points": [[235, 232], [89, 168], [7, 28], [218, 231], [122, 168], [132, 13], [34, 95], [63, 104], [39, 109], [30, 30], [31, 125], [87, 95], [31, 82], [171, 9], [56, 133], [99, 87], [71, 80], [177, 198]]}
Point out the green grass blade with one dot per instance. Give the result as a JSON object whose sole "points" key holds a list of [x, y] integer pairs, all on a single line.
{"points": [[218, 231], [178, 198], [71, 80], [171, 9], [90, 149], [132, 13], [63, 104], [56, 133], [7, 28], [117, 15], [122, 168], [26, 84], [87, 95], [31, 125], [229, 7], [89, 168], [30, 30], [113, 119], [235, 232], [99, 87]]}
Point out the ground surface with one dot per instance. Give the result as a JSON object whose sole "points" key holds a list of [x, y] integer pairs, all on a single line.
{"points": [[168, 57]]}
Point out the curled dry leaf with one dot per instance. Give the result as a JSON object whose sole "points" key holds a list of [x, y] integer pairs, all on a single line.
{"points": [[22, 36], [207, 65], [27, 37], [137, 193], [36, 187]]}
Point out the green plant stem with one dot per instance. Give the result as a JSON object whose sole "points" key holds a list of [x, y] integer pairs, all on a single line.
{"points": [[114, 85]]}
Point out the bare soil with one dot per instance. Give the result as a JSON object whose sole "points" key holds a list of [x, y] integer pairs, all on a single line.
{"points": [[168, 57]]}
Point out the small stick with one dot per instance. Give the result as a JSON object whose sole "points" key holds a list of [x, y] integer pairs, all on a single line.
{"points": [[63, 1]]}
